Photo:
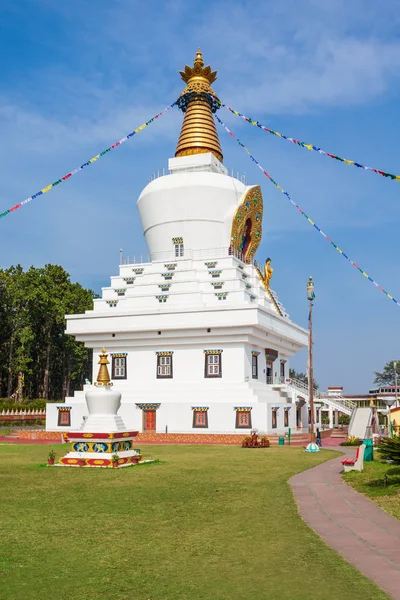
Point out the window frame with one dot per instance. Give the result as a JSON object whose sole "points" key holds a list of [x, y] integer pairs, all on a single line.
{"points": [[64, 412], [164, 361], [254, 365], [238, 425], [114, 366], [212, 363], [274, 418], [196, 413], [179, 249]]}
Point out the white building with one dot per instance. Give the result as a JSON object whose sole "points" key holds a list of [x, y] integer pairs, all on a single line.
{"points": [[198, 340]]}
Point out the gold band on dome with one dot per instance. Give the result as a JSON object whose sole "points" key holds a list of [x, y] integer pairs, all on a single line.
{"points": [[198, 133]]}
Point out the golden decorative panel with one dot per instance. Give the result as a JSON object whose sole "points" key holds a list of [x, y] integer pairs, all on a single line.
{"points": [[247, 225]]}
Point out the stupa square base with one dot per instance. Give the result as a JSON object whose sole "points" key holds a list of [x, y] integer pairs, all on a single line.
{"points": [[91, 449]]}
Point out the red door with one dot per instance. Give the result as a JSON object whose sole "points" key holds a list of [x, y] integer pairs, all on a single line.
{"points": [[149, 421]]}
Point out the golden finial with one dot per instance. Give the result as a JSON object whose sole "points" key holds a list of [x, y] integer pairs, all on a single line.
{"points": [[199, 58], [198, 101], [103, 377]]}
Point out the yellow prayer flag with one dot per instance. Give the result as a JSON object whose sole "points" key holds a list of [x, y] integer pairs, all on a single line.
{"points": [[94, 158], [348, 162], [46, 189]]}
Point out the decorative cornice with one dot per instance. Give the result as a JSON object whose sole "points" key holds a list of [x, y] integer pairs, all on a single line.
{"points": [[119, 354], [148, 406], [177, 240], [171, 266], [129, 280], [64, 408], [112, 303], [138, 270], [165, 353], [221, 294], [199, 408], [243, 408], [254, 353], [213, 352], [211, 264]]}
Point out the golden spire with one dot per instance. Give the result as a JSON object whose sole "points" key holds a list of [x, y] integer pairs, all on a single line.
{"points": [[103, 378], [198, 133]]}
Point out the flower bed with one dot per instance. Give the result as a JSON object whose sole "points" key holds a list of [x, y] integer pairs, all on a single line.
{"points": [[253, 441]]}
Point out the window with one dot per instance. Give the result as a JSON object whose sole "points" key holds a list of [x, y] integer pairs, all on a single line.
{"points": [[162, 299], [118, 366], [164, 365], [243, 419], [274, 418], [286, 418], [213, 366], [254, 365], [179, 250], [64, 417], [200, 417], [222, 295], [283, 362]]}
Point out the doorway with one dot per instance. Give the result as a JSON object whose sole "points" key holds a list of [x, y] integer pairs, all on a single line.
{"points": [[149, 420], [269, 372], [298, 418]]}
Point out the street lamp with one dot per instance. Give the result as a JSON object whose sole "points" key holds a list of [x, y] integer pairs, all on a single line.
{"points": [[395, 379], [310, 298], [389, 402]]}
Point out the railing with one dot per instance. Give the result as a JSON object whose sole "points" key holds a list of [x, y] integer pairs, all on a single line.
{"points": [[337, 402], [162, 172], [189, 254], [22, 415]]}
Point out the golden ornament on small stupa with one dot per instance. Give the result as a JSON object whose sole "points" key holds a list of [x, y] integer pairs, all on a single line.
{"points": [[103, 377]]}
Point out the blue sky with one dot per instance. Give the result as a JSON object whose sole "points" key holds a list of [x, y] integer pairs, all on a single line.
{"points": [[77, 76]]}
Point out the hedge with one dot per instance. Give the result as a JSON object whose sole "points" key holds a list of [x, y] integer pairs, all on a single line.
{"points": [[38, 404]]}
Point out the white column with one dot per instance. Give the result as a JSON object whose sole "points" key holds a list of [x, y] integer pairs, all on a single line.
{"points": [[336, 418], [330, 417]]}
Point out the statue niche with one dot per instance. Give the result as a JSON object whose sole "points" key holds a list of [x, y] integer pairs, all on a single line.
{"points": [[246, 237], [246, 225]]}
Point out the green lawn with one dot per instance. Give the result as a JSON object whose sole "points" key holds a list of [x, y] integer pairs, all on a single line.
{"points": [[206, 523], [371, 483]]}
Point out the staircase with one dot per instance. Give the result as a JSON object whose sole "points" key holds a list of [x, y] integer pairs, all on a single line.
{"points": [[290, 386]]}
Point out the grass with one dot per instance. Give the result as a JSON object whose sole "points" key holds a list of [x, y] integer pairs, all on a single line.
{"points": [[371, 483], [206, 523]]}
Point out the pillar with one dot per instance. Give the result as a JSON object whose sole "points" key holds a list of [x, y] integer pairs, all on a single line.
{"points": [[330, 417]]}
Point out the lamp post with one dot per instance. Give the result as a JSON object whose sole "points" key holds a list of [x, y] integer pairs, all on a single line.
{"points": [[389, 403], [310, 298], [395, 379]]}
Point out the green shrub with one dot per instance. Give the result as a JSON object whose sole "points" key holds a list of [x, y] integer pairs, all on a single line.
{"points": [[389, 449]]}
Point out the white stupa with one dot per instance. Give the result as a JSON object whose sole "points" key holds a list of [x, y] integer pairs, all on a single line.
{"points": [[199, 341]]}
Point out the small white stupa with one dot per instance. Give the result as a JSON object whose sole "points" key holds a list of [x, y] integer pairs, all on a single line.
{"points": [[103, 440]]}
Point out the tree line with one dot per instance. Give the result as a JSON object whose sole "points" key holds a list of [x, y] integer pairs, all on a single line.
{"points": [[37, 358]]}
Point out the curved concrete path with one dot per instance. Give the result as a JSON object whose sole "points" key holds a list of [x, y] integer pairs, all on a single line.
{"points": [[360, 531]]}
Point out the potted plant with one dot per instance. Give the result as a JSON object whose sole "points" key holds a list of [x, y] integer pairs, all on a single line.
{"points": [[114, 460], [51, 458]]}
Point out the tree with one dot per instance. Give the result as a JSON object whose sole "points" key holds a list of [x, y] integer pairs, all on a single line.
{"points": [[33, 305], [387, 375], [301, 377], [389, 449]]}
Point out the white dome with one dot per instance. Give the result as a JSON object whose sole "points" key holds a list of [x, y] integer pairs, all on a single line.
{"points": [[195, 205]]}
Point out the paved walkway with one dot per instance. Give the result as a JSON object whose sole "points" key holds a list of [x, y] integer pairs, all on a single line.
{"points": [[360, 531]]}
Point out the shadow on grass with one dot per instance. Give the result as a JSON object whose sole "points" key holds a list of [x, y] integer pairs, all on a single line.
{"points": [[140, 465]]}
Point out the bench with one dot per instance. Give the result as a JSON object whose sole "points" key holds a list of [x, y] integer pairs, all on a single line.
{"points": [[357, 463]]}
